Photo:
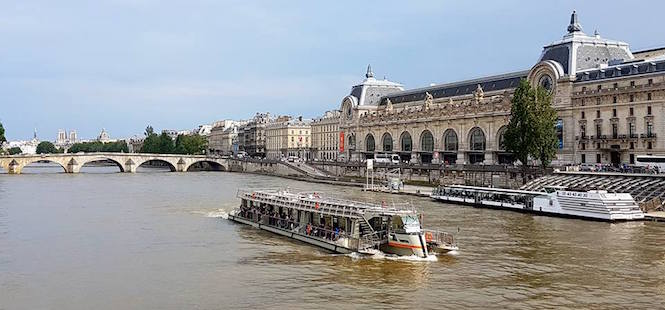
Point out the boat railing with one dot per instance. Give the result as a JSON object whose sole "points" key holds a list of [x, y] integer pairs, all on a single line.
{"points": [[322, 204], [439, 237], [372, 241]]}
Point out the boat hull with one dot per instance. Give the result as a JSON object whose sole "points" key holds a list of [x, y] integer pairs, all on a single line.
{"points": [[539, 211], [406, 245], [294, 235]]}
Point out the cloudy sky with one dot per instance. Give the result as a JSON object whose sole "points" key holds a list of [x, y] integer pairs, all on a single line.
{"points": [[124, 64]]}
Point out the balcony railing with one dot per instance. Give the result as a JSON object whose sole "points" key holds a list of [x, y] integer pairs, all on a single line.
{"points": [[648, 135]]}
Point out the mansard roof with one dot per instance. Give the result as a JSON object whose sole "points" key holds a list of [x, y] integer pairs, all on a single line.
{"points": [[622, 70], [488, 84]]}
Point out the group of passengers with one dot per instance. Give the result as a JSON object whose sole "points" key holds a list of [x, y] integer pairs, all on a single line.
{"points": [[274, 218], [284, 220], [324, 231]]}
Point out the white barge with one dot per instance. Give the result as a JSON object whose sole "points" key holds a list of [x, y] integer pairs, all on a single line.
{"points": [[556, 200], [340, 226]]}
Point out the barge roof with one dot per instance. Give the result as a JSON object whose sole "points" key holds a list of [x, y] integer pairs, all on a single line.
{"points": [[322, 203]]}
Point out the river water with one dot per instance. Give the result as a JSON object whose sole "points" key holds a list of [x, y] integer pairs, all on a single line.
{"points": [[100, 240]]}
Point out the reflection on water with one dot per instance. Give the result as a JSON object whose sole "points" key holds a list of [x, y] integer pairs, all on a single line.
{"points": [[157, 240]]}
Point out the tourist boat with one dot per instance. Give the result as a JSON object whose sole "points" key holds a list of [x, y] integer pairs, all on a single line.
{"points": [[341, 226], [555, 200]]}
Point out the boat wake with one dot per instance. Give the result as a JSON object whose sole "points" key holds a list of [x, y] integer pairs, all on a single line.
{"points": [[218, 213], [379, 255]]}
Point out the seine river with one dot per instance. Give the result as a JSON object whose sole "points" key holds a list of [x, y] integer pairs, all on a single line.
{"points": [[151, 240]]}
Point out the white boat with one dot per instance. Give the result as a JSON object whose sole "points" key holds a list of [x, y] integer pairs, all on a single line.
{"points": [[556, 200], [340, 226]]}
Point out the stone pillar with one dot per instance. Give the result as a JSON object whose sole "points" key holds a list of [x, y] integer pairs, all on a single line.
{"points": [[489, 158], [460, 158], [181, 165], [415, 158], [14, 167], [73, 166], [130, 166]]}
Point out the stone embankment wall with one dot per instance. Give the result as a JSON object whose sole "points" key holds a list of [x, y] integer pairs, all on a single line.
{"points": [[495, 176]]}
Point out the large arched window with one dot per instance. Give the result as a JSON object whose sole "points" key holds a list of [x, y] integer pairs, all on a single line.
{"points": [[450, 141], [500, 138], [387, 142], [405, 142], [369, 143], [427, 141], [477, 139]]}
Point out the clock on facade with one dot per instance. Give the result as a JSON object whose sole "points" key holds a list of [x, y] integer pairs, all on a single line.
{"points": [[546, 82]]}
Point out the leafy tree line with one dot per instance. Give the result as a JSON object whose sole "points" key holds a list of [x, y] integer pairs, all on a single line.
{"points": [[531, 131], [97, 146], [14, 150], [2, 138], [46, 147], [163, 144], [2, 134]]}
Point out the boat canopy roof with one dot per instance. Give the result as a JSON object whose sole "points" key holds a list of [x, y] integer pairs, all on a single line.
{"points": [[496, 190], [321, 203]]}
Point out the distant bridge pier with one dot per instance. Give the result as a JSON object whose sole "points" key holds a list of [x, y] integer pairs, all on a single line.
{"points": [[130, 166], [14, 167], [73, 166]]}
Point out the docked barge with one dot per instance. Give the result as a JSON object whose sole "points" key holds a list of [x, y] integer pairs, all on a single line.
{"points": [[341, 226], [555, 201]]}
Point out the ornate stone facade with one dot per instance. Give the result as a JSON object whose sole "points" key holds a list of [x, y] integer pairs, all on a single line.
{"points": [[610, 103]]}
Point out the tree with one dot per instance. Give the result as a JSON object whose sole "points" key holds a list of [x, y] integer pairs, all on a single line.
{"points": [[2, 134], [190, 144], [97, 146], [150, 144], [546, 141], [15, 150], [165, 144], [520, 133], [46, 147], [531, 131], [149, 131]]}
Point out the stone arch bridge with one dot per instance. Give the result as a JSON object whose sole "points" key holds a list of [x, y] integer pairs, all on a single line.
{"points": [[127, 162]]}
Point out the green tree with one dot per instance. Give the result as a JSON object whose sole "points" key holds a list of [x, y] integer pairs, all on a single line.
{"points": [[46, 147], [2, 134], [190, 144], [97, 146], [531, 131], [151, 142], [166, 145], [14, 150], [546, 141], [520, 133]]}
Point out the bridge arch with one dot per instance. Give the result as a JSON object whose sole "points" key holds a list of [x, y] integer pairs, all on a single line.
{"points": [[205, 165], [21, 164], [171, 165], [101, 158]]}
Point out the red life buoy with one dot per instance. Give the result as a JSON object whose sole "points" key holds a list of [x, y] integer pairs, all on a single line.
{"points": [[428, 236]]}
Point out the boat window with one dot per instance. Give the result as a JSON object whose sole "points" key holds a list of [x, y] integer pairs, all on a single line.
{"points": [[397, 224], [411, 223]]}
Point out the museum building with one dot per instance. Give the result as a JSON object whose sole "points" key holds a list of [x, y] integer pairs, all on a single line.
{"points": [[609, 100]]}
